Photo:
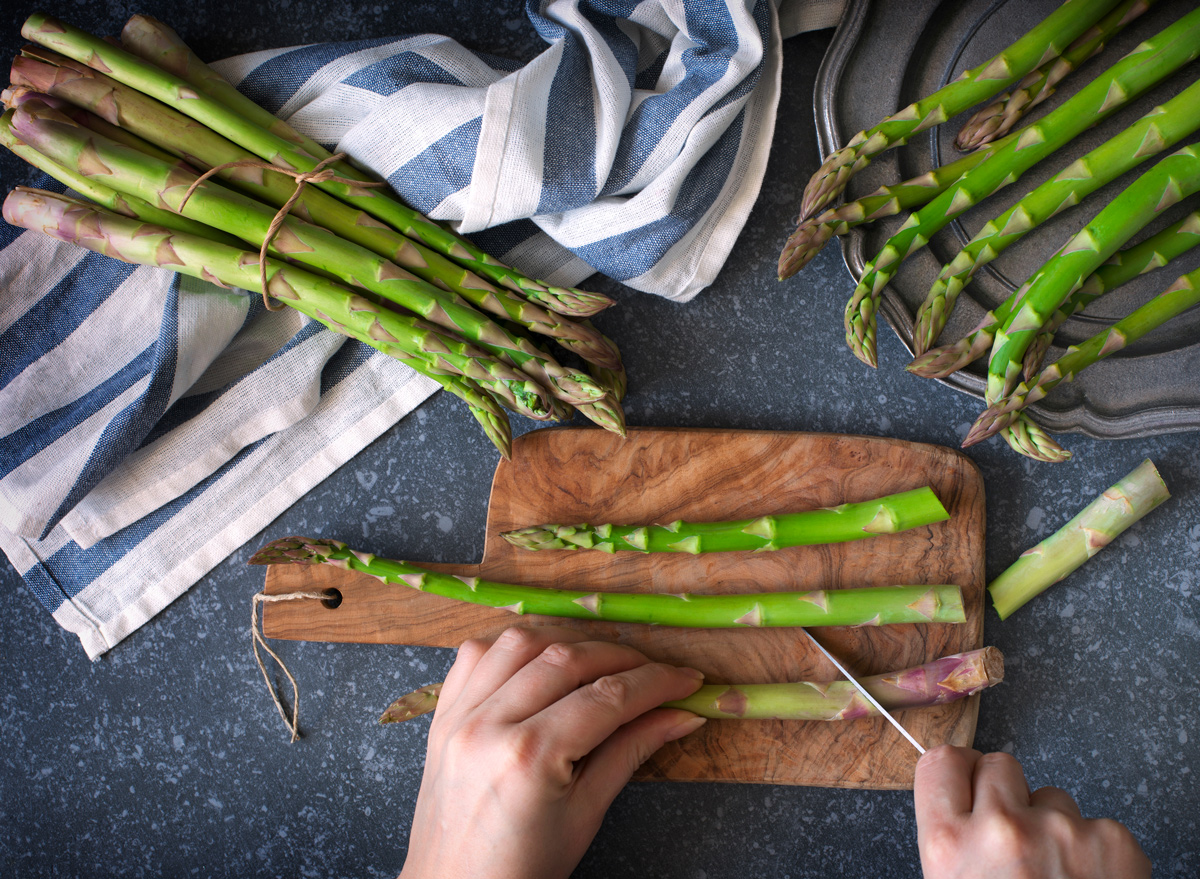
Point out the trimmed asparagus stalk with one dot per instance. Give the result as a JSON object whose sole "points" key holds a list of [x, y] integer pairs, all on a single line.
{"points": [[1161, 128], [886, 515], [136, 174], [1047, 40], [1121, 267], [998, 119], [1097, 525], [186, 139], [411, 340], [243, 122], [813, 234], [1171, 180], [934, 683], [869, 606], [1151, 62], [1176, 299], [126, 205]]}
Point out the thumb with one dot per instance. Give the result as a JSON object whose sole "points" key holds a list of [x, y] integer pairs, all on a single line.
{"points": [[609, 766]]}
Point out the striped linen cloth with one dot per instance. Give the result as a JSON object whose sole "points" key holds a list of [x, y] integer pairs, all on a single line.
{"points": [[150, 424]]}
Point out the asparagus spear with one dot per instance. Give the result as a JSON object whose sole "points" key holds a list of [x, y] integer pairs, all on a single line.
{"points": [[1121, 267], [184, 138], [1097, 525], [1176, 299], [813, 234], [243, 122], [1159, 129], [1028, 439], [869, 606], [134, 173], [481, 404], [1152, 61], [998, 119], [934, 683], [1046, 40], [1172, 179], [885, 515], [126, 205], [413, 341]]}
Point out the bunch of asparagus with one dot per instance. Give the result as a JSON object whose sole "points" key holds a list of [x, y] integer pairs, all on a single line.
{"points": [[140, 128], [1018, 333]]}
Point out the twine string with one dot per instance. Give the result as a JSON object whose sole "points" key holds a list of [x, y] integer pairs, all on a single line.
{"points": [[257, 638], [319, 174]]}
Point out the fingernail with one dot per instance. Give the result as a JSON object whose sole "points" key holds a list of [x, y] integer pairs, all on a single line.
{"points": [[692, 672], [685, 727]]}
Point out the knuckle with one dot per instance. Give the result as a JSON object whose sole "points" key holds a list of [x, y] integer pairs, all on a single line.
{"points": [[562, 655], [524, 750], [999, 758], [1003, 831], [940, 844], [610, 691], [472, 648], [514, 640]]}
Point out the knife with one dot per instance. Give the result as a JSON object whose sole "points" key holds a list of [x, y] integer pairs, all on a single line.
{"points": [[887, 714]]}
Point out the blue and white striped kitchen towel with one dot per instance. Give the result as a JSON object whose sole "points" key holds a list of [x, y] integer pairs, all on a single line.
{"points": [[150, 424]]}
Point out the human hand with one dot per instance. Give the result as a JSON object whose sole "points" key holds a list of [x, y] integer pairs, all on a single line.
{"points": [[977, 818], [533, 737]]}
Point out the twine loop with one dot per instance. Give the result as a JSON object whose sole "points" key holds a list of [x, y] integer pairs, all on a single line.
{"points": [[257, 638], [319, 174]]}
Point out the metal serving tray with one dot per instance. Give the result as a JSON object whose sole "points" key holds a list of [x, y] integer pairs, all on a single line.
{"points": [[886, 55]]}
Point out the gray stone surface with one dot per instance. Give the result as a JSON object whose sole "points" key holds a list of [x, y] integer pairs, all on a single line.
{"points": [[166, 757]]}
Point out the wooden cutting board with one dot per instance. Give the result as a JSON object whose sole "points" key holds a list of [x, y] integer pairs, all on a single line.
{"points": [[571, 475]]}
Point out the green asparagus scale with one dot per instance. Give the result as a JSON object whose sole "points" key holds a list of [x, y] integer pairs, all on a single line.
{"points": [[934, 683], [1171, 180], [133, 112], [1158, 130], [1094, 528], [137, 174], [1121, 267], [855, 521], [1147, 65], [814, 233], [998, 119], [411, 340], [1175, 300], [1045, 41], [869, 606], [235, 123]]}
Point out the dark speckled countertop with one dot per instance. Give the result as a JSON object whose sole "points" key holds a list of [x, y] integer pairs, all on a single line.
{"points": [[166, 758]]}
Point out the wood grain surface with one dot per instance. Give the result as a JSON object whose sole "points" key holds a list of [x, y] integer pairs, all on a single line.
{"points": [[571, 475]]}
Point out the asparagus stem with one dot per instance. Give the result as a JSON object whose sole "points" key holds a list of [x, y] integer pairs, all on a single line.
{"points": [[414, 341], [1159, 129], [240, 120], [934, 683], [1171, 180], [998, 119], [886, 515], [1046, 40], [1179, 297], [1121, 267], [1152, 61], [1097, 525], [134, 173], [156, 124], [813, 234], [869, 606]]}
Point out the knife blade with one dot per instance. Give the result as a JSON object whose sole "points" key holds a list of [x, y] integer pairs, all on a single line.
{"points": [[863, 690]]}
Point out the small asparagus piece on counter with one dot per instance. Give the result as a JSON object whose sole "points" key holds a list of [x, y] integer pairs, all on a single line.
{"points": [[934, 683], [868, 606], [1176, 299], [170, 71], [1094, 528], [997, 119], [1045, 41], [1158, 130], [886, 515]]}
